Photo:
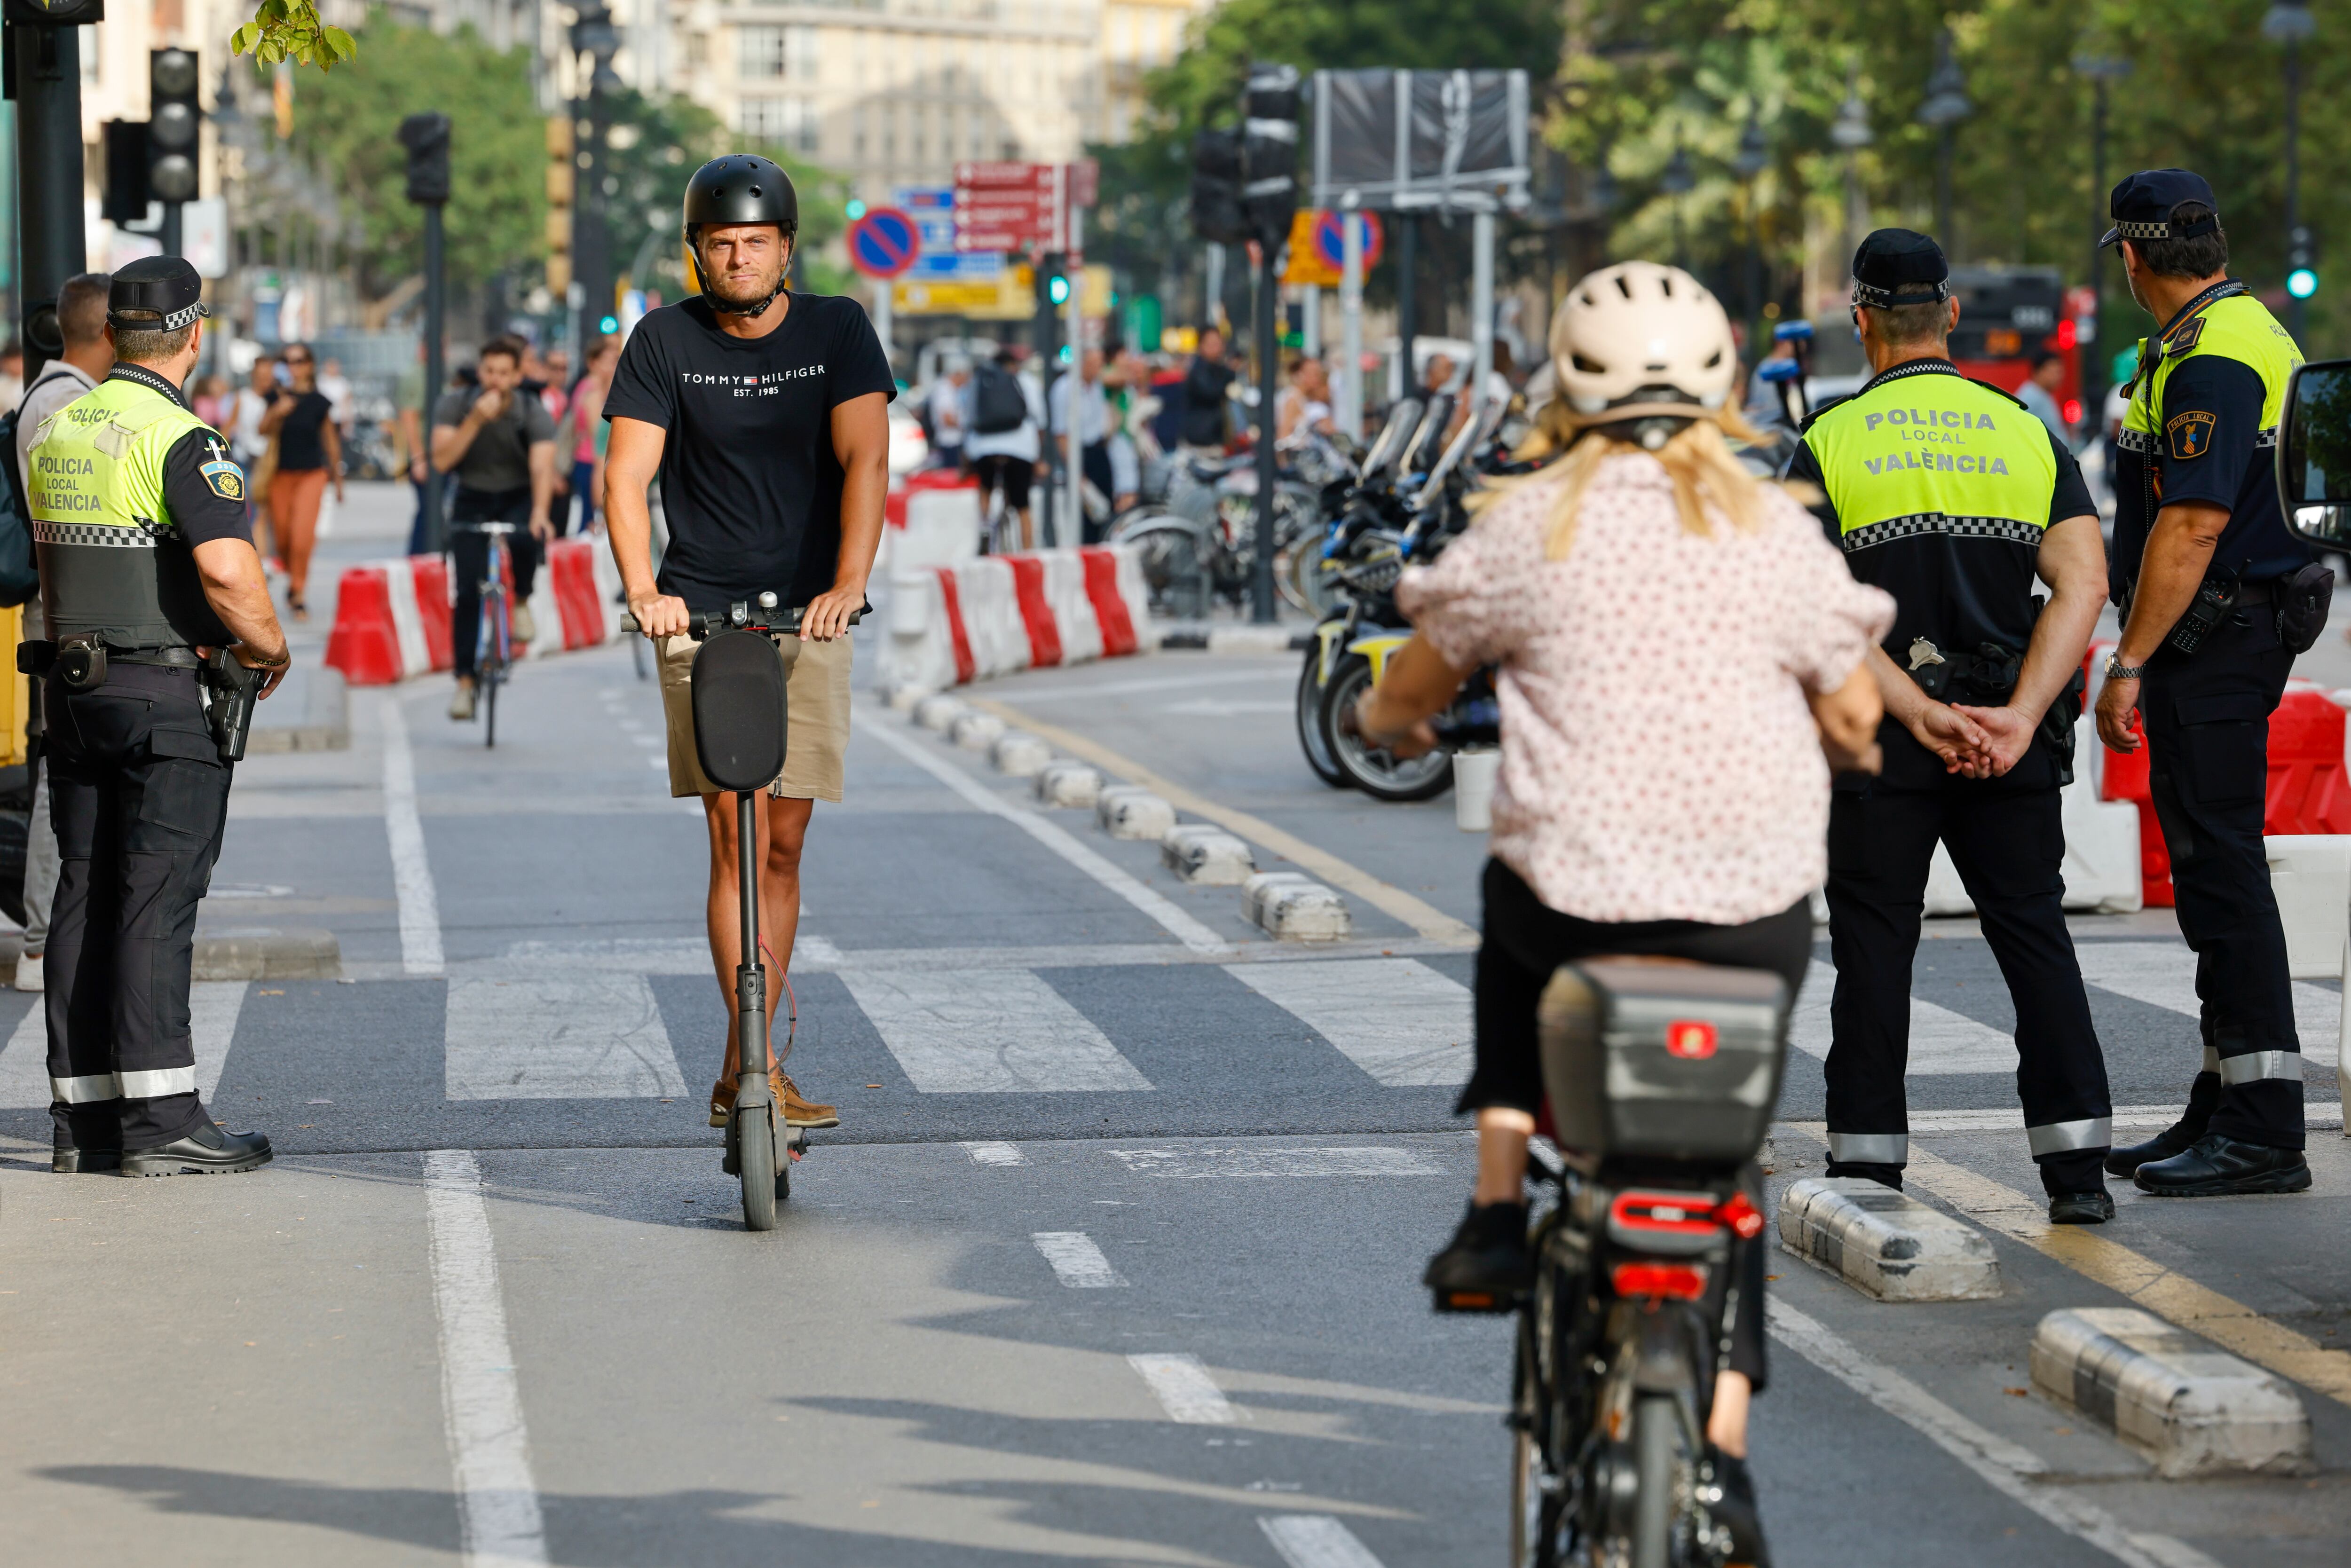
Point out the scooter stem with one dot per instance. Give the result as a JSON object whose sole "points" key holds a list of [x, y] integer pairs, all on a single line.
{"points": [[750, 977]]}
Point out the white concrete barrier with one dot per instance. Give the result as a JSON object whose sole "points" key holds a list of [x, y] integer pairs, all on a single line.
{"points": [[1069, 783], [955, 620], [1020, 754], [939, 712], [1131, 811], [976, 731], [2102, 869], [1294, 907], [2193, 1410], [1211, 856], [1884, 1243], [2311, 875]]}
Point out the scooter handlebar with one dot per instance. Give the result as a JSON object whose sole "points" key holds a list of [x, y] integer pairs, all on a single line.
{"points": [[742, 617]]}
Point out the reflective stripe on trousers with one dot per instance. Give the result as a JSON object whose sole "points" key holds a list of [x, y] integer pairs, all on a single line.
{"points": [[152, 1084], [1870, 1148], [2066, 1137]]}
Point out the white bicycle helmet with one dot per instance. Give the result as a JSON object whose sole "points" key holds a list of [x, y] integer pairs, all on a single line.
{"points": [[1638, 341]]}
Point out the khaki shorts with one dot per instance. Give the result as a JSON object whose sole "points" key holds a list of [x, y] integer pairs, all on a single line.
{"points": [[815, 737]]}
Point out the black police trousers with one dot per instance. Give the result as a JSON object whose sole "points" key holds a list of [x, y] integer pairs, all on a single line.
{"points": [[139, 797], [2206, 716], [469, 564], [2009, 847]]}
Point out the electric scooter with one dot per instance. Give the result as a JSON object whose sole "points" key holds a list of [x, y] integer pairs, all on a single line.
{"points": [[741, 720]]}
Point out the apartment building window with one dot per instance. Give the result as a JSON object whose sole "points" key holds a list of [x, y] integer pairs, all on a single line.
{"points": [[781, 122], [773, 53]]}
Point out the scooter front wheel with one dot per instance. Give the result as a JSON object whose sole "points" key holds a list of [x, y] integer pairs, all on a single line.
{"points": [[755, 1136]]}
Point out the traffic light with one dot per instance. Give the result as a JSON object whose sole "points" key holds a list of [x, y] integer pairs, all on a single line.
{"points": [[2300, 265], [127, 194], [1216, 215], [1270, 152], [1057, 289], [174, 116], [562, 181], [426, 137]]}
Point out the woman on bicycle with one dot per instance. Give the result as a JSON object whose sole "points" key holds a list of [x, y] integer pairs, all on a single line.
{"points": [[1678, 643]]}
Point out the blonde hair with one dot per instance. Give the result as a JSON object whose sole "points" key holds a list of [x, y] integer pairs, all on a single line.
{"points": [[1698, 460]]}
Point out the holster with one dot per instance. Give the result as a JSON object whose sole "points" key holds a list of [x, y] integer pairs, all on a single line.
{"points": [[2301, 604]]}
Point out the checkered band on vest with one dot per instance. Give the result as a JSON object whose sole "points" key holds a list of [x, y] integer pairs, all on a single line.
{"points": [[1918, 523], [143, 537], [2140, 440]]}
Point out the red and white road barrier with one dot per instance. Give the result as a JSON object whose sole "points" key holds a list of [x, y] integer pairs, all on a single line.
{"points": [[391, 617], [991, 615]]}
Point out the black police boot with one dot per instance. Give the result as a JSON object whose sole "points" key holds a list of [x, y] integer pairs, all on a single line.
{"points": [[77, 1159], [85, 1138], [203, 1150], [2094, 1208], [2217, 1164], [2204, 1099], [1486, 1267], [2077, 1187], [1733, 1507], [1883, 1175]]}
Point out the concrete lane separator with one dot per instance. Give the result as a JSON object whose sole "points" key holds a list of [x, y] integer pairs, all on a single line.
{"points": [[939, 712], [1131, 811], [1315, 1540], [995, 1153], [481, 1401], [1016, 754], [1185, 1389], [2009, 1469], [976, 731], [1884, 1243], [2172, 1296], [1077, 1263], [1064, 783], [1424, 917], [411, 872], [1294, 907], [1182, 926], [1206, 856], [2192, 1410]]}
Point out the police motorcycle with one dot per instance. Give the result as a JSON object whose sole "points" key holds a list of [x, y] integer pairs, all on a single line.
{"points": [[740, 723], [1352, 646]]}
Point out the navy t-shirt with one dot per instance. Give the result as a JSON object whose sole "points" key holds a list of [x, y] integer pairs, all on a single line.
{"points": [[750, 485]]}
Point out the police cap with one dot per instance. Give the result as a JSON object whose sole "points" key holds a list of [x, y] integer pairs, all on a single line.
{"points": [[155, 294], [1898, 266], [2141, 206]]}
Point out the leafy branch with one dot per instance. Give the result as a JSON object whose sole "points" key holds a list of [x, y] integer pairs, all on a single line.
{"points": [[292, 29]]}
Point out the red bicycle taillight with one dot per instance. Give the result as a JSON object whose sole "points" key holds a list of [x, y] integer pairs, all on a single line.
{"points": [[1676, 1281], [1746, 1220]]}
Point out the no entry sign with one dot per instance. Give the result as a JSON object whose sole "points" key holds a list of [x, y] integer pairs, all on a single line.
{"points": [[883, 243]]}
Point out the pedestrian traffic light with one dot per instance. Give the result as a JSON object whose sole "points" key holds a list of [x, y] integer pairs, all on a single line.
{"points": [[426, 137], [1057, 289], [173, 114], [1270, 152], [2302, 265], [1216, 188], [562, 181]]}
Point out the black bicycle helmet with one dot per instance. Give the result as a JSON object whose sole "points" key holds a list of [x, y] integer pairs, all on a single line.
{"points": [[741, 188]]}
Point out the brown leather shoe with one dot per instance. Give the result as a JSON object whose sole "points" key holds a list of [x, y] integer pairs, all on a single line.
{"points": [[798, 1112]]}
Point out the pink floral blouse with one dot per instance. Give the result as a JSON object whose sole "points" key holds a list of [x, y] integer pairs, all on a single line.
{"points": [[1658, 759]]}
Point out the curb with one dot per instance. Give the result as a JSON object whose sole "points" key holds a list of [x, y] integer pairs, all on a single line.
{"points": [[255, 955], [325, 724], [1884, 1243], [2193, 1410]]}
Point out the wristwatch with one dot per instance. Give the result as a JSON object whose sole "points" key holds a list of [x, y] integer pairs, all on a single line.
{"points": [[2118, 671]]}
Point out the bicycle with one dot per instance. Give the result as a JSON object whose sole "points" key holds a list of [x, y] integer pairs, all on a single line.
{"points": [[1664, 1075], [741, 721], [493, 640]]}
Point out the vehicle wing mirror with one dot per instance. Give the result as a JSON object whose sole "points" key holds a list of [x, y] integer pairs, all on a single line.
{"points": [[2313, 454]]}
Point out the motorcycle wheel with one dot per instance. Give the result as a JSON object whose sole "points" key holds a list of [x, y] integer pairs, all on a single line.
{"points": [[1312, 738], [1656, 1447], [1377, 773]]}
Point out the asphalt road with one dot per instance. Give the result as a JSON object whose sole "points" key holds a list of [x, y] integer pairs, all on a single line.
{"points": [[1111, 1259]]}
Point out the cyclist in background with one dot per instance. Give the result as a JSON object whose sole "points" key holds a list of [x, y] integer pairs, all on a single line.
{"points": [[500, 445], [1677, 645]]}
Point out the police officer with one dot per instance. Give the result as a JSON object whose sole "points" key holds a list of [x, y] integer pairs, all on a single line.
{"points": [[147, 564], [1947, 494], [2203, 560]]}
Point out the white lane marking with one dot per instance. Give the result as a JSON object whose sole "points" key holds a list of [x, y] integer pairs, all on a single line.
{"points": [[1941, 1041], [1077, 1263], [988, 1032], [412, 874], [489, 1448], [996, 1153], [2002, 1465], [2164, 976], [1396, 1018], [580, 1037], [1217, 707], [1185, 1389], [1355, 1160], [213, 1007], [1315, 1540], [1180, 925]]}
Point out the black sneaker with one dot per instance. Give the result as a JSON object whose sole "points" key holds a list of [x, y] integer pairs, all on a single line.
{"points": [[1486, 1267], [2094, 1208], [2217, 1166], [2176, 1139], [1732, 1506], [206, 1150]]}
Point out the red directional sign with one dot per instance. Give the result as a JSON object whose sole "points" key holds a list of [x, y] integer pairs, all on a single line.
{"points": [[883, 243], [1002, 206]]}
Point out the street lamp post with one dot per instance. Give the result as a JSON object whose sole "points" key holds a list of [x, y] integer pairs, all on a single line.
{"points": [[1946, 104], [2289, 22], [593, 34], [2102, 70], [1851, 132], [1754, 156]]}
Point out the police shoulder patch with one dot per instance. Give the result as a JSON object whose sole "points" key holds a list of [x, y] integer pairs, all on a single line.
{"points": [[2186, 336], [2191, 433], [227, 479]]}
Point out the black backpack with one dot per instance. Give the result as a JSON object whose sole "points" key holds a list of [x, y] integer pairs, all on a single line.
{"points": [[998, 403], [20, 577]]}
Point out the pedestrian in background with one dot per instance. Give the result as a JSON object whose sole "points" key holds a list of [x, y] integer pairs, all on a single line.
{"points": [[1002, 446], [2039, 393], [89, 356], [581, 430], [309, 453], [336, 388], [498, 443], [12, 373], [947, 411], [1093, 420], [1206, 382], [252, 448]]}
